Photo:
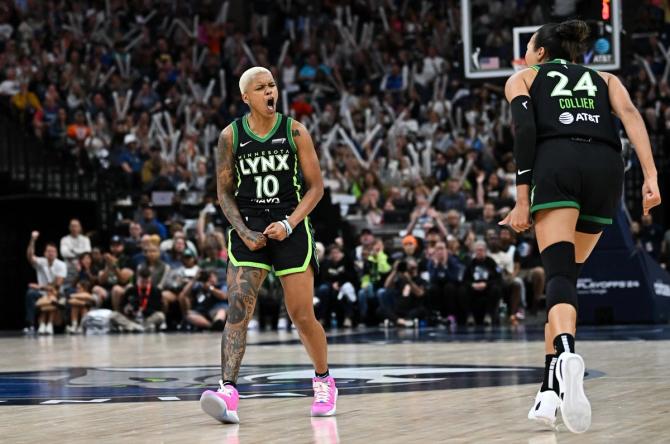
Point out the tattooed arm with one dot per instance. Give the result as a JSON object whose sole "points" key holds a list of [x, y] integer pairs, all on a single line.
{"points": [[225, 180]]}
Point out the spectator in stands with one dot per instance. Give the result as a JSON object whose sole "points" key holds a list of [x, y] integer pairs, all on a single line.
{"points": [[373, 270], [455, 224], [212, 260], [51, 272], [651, 236], [444, 271], [147, 99], [402, 299], [337, 291], [155, 264], [365, 241], [433, 236], [455, 248], [453, 198], [503, 251], [394, 80], [531, 269], [151, 225], [131, 163], [141, 306], [488, 221], [495, 190], [152, 167], [270, 307], [46, 119], [201, 179], [85, 270], [97, 260], [429, 220], [178, 276], [72, 246], [177, 233], [133, 243], [48, 308], [410, 250], [308, 72], [79, 302], [151, 259], [10, 85], [482, 287], [441, 170], [117, 273], [78, 131], [206, 302], [25, 103], [176, 253]]}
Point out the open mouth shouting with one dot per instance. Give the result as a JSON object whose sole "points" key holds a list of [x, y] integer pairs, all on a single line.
{"points": [[271, 104]]}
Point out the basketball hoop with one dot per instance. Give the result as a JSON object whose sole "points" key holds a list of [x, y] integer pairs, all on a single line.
{"points": [[519, 64]]}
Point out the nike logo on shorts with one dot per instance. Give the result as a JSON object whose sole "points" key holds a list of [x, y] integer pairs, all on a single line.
{"points": [[525, 104], [519, 172]]}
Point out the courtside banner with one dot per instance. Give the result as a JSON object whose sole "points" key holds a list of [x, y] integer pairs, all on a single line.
{"points": [[621, 283]]}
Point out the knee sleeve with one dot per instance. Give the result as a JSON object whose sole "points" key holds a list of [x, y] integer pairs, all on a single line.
{"points": [[559, 266]]}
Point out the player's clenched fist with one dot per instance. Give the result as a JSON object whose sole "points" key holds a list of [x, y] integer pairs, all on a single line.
{"points": [[276, 231], [254, 240]]}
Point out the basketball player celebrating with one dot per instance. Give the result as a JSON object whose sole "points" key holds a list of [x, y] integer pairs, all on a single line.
{"points": [[566, 147], [261, 160]]}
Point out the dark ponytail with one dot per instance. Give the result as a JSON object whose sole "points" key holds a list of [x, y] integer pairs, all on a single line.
{"points": [[565, 40]]}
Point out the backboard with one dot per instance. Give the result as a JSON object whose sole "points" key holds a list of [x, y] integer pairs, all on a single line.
{"points": [[494, 36]]}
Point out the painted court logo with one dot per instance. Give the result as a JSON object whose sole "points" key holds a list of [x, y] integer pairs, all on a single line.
{"points": [[155, 384]]}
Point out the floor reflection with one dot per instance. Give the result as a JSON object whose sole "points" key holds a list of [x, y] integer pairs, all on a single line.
{"points": [[325, 430]]}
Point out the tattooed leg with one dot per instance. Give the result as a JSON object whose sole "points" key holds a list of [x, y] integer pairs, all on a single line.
{"points": [[243, 285]]}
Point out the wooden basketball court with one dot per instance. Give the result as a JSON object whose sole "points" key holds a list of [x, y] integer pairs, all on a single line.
{"points": [[428, 385]]}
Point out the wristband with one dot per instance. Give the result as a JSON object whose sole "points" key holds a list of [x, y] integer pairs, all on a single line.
{"points": [[287, 227]]}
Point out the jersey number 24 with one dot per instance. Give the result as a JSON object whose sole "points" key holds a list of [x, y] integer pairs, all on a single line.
{"points": [[585, 83]]}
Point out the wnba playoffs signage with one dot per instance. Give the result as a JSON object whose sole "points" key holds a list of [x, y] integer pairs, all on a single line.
{"points": [[621, 283], [589, 286]]}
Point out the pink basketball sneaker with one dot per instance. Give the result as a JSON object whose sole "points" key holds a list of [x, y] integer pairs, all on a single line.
{"points": [[325, 396], [221, 404]]}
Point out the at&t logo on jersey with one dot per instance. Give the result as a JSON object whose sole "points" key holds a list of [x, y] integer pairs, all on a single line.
{"points": [[567, 118]]}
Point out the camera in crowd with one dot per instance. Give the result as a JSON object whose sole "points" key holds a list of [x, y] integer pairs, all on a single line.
{"points": [[203, 275]]}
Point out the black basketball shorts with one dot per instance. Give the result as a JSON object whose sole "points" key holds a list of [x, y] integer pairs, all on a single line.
{"points": [[583, 175], [292, 255]]}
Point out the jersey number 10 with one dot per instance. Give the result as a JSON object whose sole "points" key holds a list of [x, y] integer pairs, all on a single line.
{"points": [[266, 186], [585, 83]]}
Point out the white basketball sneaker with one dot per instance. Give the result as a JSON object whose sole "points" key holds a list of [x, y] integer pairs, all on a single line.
{"points": [[544, 410], [575, 408]]}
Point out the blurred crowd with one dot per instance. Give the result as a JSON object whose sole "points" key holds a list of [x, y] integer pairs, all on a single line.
{"points": [[417, 160]]}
